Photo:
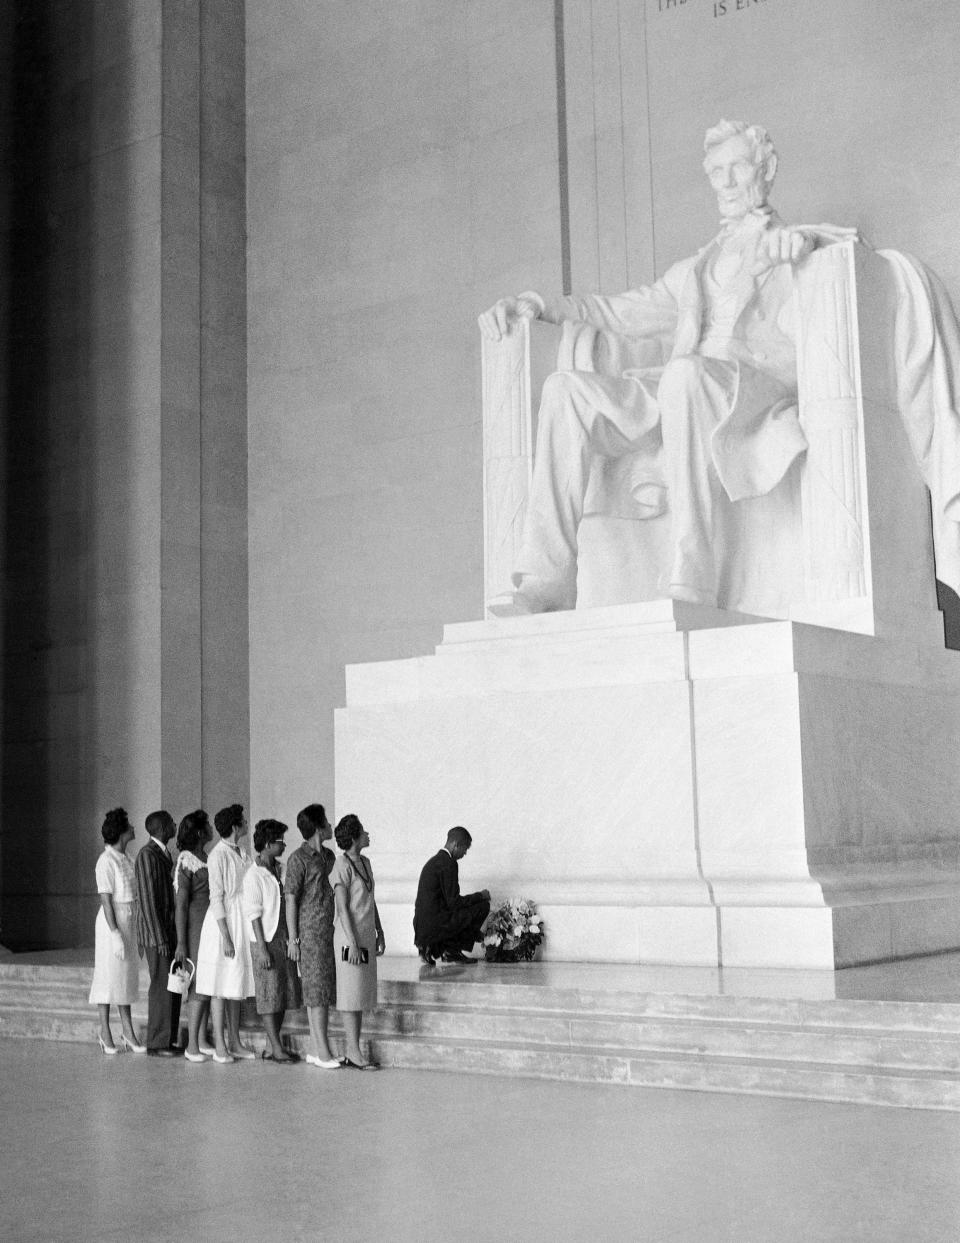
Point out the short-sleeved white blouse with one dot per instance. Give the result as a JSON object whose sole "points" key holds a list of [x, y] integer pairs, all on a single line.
{"points": [[115, 875]]}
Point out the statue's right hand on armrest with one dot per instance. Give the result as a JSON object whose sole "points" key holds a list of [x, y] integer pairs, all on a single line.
{"points": [[499, 320]]}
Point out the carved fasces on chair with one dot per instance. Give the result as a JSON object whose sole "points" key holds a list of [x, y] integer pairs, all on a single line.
{"points": [[867, 546], [514, 369], [831, 414]]}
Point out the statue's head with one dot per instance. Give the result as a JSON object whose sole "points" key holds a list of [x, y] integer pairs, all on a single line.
{"points": [[741, 164]]}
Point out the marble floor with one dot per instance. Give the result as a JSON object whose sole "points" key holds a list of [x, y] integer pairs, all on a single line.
{"points": [[934, 978], [125, 1148]]}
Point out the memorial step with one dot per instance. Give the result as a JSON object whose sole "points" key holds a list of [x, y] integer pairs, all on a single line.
{"points": [[882, 1052]]}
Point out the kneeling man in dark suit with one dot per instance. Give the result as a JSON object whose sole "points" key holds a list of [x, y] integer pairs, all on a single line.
{"points": [[445, 921]]}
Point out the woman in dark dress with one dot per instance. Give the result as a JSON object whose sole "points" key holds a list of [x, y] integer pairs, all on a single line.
{"points": [[191, 883], [310, 907]]}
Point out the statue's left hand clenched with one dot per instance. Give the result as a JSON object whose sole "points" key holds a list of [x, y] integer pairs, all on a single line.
{"points": [[783, 244]]}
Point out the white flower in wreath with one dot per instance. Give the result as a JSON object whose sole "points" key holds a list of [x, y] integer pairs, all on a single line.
{"points": [[518, 930]]}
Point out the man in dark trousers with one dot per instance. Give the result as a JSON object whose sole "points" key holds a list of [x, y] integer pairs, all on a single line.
{"points": [[445, 921], [157, 934]]}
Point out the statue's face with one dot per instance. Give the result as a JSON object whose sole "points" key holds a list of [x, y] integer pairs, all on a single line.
{"points": [[739, 183]]}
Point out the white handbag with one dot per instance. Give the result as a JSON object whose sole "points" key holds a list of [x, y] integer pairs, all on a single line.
{"points": [[180, 977]]}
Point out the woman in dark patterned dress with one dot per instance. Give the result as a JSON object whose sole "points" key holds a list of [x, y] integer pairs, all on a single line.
{"points": [[192, 886], [310, 908]]}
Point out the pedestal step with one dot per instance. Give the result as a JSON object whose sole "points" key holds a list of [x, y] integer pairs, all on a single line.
{"points": [[880, 1052]]}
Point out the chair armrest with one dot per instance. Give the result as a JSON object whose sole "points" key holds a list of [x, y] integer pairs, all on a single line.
{"points": [[513, 371]]}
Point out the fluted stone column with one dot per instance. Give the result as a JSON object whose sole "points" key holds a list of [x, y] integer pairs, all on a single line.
{"points": [[124, 420]]}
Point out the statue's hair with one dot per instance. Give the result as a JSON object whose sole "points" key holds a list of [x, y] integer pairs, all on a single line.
{"points": [[764, 151]]}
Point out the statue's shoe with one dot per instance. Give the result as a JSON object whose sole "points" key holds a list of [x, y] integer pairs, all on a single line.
{"points": [[691, 595], [532, 595], [510, 604]]}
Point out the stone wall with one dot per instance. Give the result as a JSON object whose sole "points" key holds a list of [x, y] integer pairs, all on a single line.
{"points": [[402, 171]]}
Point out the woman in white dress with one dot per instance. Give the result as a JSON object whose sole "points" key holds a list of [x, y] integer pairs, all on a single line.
{"points": [[224, 965], [116, 966]]}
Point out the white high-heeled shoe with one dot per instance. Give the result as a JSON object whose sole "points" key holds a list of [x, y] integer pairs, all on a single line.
{"points": [[110, 1049], [132, 1045]]}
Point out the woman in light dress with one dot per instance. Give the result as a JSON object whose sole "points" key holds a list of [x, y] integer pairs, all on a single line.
{"points": [[192, 887], [224, 966], [358, 936], [116, 969]]}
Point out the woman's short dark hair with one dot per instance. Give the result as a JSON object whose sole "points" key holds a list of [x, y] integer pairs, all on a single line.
{"points": [[267, 831], [193, 829], [229, 818], [115, 824], [347, 831], [311, 820]]}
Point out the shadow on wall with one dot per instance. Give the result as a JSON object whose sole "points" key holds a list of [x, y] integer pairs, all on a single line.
{"points": [[949, 603], [50, 491]]}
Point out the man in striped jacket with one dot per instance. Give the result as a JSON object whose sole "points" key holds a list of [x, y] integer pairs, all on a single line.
{"points": [[156, 933]]}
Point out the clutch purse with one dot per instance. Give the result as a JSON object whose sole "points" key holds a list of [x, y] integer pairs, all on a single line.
{"points": [[345, 951]]}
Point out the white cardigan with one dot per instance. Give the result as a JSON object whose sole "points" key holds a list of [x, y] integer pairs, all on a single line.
{"points": [[261, 898]]}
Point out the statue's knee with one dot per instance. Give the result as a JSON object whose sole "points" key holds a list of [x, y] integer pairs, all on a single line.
{"points": [[681, 376], [557, 388], [557, 400]]}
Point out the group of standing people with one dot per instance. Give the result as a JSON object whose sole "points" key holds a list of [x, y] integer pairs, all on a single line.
{"points": [[308, 935]]}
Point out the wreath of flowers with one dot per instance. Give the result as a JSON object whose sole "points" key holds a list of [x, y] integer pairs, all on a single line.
{"points": [[513, 932]]}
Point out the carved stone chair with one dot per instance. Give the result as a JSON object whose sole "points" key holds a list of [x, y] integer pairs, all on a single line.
{"points": [[844, 540]]}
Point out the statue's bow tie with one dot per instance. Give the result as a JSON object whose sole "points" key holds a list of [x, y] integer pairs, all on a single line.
{"points": [[753, 222]]}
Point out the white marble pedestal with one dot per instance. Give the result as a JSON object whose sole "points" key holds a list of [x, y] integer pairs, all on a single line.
{"points": [[671, 783]]}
